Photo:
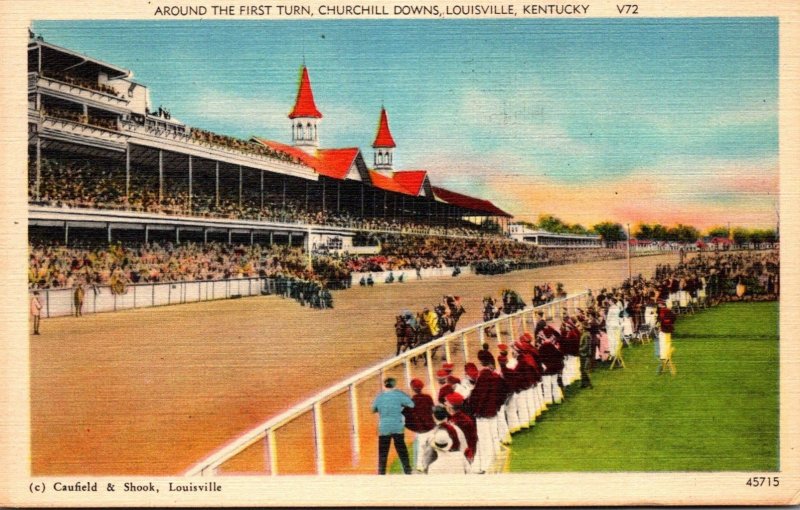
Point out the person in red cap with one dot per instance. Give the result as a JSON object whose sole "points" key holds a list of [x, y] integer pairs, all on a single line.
{"points": [[445, 388], [553, 361], [484, 404], [448, 367], [419, 418], [465, 387], [462, 420], [457, 437], [519, 371]]}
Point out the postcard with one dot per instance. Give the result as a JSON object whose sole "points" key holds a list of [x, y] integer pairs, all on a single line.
{"points": [[399, 253]]}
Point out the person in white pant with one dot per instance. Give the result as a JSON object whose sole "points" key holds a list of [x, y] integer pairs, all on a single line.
{"points": [[513, 411], [613, 325], [483, 402]]}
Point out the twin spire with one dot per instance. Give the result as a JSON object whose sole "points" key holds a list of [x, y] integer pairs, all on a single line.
{"points": [[305, 116]]}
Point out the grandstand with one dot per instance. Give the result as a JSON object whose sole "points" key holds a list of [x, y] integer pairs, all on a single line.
{"points": [[106, 164]]}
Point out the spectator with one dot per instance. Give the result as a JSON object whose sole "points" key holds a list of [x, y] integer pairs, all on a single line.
{"points": [[389, 405], [36, 311]]}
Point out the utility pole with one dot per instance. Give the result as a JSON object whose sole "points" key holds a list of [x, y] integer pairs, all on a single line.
{"points": [[630, 279]]}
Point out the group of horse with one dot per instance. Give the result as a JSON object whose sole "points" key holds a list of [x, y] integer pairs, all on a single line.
{"points": [[413, 330]]}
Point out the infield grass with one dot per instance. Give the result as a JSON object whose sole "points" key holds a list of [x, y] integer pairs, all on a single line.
{"points": [[718, 413]]}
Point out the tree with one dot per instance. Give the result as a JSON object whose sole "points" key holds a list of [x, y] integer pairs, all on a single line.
{"points": [[643, 231], [660, 232], [550, 223], [683, 233], [610, 232], [741, 235], [718, 232]]}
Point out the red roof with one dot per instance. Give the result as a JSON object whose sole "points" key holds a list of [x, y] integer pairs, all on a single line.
{"points": [[334, 163], [387, 183], [412, 180], [384, 137], [304, 104], [468, 202]]}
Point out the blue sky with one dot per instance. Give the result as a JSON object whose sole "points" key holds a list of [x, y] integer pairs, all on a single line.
{"points": [[594, 119]]}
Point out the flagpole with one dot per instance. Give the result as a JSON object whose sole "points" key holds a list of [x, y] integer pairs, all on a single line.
{"points": [[629, 252]]}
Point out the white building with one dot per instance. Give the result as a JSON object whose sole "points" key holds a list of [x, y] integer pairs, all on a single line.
{"points": [[524, 234]]}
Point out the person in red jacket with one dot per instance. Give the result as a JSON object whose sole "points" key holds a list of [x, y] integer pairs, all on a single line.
{"points": [[553, 360], [419, 419], [484, 404], [666, 326], [444, 388], [463, 421]]}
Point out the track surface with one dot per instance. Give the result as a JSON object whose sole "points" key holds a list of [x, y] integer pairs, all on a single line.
{"points": [[153, 391]]}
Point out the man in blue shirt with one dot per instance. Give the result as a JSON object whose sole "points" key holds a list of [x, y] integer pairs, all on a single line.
{"points": [[389, 406]]}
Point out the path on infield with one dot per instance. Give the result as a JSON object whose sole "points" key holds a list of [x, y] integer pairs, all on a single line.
{"points": [[153, 391]]}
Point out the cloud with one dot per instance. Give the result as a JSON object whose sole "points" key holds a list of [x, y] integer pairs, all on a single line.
{"points": [[701, 193]]}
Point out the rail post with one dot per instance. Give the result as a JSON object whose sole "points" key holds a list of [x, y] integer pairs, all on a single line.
{"points": [[431, 380], [407, 366], [510, 330], [319, 439], [446, 350], [272, 452], [464, 344], [354, 437]]}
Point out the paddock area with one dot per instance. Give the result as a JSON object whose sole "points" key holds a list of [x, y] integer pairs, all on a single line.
{"points": [[153, 391]]}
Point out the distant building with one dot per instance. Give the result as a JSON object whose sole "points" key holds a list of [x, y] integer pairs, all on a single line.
{"points": [[524, 234]]}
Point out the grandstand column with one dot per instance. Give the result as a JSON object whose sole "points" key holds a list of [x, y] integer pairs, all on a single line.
{"points": [[177, 235], [230, 236], [146, 234], [127, 171], [190, 183], [160, 176], [37, 186], [271, 240], [283, 196], [362, 200], [338, 195], [323, 194], [216, 184], [240, 185], [262, 190], [66, 233], [205, 236], [108, 232]]}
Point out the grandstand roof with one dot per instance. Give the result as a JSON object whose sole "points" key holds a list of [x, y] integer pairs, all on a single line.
{"points": [[468, 202], [304, 105], [334, 163], [412, 180], [388, 183], [384, 137]]}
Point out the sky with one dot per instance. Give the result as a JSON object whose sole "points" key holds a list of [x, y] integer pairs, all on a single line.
{"points": [[645, 120]]}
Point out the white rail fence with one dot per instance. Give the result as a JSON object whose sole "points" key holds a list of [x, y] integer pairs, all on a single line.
{"points": [[61, 302], [335, 431]]}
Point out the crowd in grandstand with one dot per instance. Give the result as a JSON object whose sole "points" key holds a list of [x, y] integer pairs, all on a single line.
{"points": [[85, 184]]}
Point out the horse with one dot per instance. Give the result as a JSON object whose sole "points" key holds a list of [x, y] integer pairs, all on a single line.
{"points": [[406, 335], [455, 308], [512, 302]]}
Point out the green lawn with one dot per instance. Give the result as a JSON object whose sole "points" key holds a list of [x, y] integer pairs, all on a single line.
{"points": [[719, 413]]}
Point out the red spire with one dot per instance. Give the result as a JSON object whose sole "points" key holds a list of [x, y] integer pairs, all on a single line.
{"points": [[304, 104], [384, 138]]}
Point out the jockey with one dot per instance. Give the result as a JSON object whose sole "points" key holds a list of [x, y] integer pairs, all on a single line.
{"points": [[431, 320]]}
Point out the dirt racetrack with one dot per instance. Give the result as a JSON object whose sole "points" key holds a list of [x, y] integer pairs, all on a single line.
{"points": [[153, 391]]}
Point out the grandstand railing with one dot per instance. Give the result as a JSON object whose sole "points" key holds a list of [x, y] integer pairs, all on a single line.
{"points": [[302, 441], [98, 299]]}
